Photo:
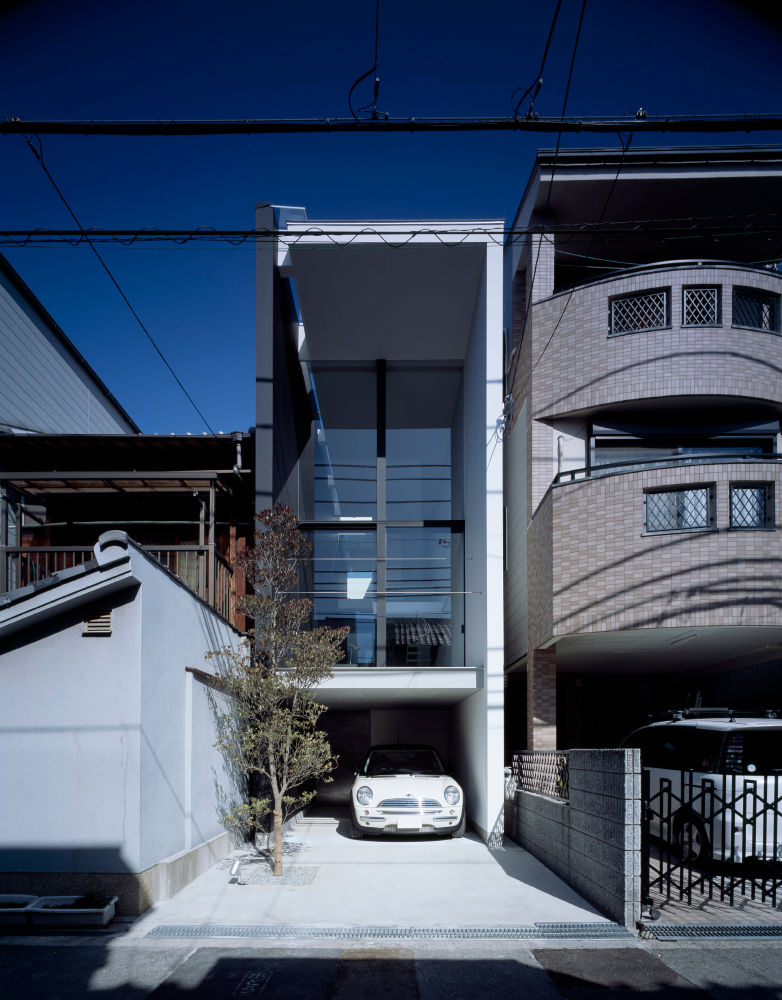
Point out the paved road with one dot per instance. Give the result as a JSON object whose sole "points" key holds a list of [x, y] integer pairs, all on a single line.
{"points": [[77, 969]]}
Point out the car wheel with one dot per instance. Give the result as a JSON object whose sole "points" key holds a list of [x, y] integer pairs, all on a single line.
{"points": [[356, 833], [692, 841], [459, 831]]}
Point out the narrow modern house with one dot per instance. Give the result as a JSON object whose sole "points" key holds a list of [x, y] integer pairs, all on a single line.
{"points": [[642, 475], [379, 381]]}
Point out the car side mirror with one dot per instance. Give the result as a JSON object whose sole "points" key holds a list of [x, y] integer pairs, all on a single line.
{"points": [[357, 766]]}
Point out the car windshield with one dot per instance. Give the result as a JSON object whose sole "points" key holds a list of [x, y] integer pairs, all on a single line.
{"points": [[402, 760]]}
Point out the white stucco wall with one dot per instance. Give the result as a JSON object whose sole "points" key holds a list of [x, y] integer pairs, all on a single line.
{"points": [[107, 741], [177, 799], [479, 719]]}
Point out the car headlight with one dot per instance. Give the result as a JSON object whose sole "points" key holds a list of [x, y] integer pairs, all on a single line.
{"points": [[364, 795], [452, 795]]}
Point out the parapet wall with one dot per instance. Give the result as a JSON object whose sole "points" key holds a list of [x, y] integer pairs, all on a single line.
{"points": [[592, 840]]}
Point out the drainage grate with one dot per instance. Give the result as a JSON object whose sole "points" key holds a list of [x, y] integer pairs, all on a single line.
{"points": [[668, 932], [536, 931]]}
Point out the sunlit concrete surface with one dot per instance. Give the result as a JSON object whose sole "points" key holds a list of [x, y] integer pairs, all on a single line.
{"points": [[331, 880]]}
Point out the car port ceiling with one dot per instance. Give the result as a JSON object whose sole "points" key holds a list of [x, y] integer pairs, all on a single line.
{"points": [[406, 303], [669, 650]]}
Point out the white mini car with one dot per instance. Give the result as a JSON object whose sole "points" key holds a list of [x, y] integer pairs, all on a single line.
{"points": [[403, 789]]}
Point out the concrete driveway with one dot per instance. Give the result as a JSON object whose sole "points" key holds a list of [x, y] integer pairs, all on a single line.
{"points": [[333, 881]]}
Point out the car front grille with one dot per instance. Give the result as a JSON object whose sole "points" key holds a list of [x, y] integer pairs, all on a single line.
{"points": [[410, 803]]}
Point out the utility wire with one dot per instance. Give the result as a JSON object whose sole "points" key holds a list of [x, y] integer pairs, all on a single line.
{"points": [[508, 403], [370, 72], [641, 122], [625, 147], [38, 154], [537, 83], [750, 224]]}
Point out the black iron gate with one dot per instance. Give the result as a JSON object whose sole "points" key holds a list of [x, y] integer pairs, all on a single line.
{"points": [[711, 838]]}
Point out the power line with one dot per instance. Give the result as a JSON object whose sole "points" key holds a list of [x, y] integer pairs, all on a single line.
{"points": [[537, 83], [38, 153], [751, 224], [640, 123]]}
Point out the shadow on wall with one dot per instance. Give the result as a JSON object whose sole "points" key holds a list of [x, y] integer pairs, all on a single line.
{"points": [[74, 871]]}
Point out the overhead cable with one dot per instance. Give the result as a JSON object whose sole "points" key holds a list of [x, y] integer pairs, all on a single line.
{"points": [[248, 126], [38, 153], [537, 83]]}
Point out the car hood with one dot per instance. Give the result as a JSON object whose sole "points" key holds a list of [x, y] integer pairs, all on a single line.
{"points": [[402, 785]]}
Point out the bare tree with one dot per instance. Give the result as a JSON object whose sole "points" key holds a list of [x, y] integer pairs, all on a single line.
{"points": [[268, 726]]}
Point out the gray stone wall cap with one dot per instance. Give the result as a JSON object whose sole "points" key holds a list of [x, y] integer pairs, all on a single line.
{"points": [[111, 547]]}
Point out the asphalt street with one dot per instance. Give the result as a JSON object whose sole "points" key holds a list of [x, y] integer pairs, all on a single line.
{"points": [[86, 967]]}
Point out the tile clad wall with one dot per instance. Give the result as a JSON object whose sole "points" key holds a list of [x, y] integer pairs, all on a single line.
{"points": [[593, 840], [572, 364], [606, 574]]}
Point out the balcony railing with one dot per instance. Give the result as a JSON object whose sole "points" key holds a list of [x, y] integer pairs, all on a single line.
{"points": [[202, 570], [639, 464]]}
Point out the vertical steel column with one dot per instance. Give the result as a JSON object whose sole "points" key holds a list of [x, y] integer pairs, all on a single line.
{"points": [[212, 567], [3, 540], [380, 652], [200, 562]]}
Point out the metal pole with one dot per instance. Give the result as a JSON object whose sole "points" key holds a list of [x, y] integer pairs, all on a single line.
{"points": [[212, 581]]}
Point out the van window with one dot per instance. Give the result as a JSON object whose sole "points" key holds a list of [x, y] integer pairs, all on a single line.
{"points": [[756, 751], [679, 748]]}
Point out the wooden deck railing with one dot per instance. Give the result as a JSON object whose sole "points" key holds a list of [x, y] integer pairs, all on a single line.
{"points": [[206, 573]]}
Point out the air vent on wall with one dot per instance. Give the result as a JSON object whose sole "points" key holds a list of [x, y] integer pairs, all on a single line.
{"points": [[99, 625]]}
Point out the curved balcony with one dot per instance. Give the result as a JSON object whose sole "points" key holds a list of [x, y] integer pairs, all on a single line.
{"points": [[665, 546], [677, 328]]}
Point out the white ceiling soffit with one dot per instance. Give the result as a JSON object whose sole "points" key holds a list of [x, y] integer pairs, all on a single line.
{"points": [[668, 650], [406, 303]]}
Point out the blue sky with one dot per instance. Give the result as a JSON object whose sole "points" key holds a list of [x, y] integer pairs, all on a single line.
{"points": [[88, 59]]}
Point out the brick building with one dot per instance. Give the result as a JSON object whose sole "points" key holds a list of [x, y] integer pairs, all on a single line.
{"points": [[644, 363]]}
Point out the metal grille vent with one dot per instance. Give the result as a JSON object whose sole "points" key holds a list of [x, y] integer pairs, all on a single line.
{"points": [[596, 929], [410, 803], [701, 307], [749, 506], [757, 310], [677, 510], [99, 625], [635, 313]]}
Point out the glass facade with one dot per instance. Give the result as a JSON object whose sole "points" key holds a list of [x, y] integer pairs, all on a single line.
{"points": [[377, 493]]}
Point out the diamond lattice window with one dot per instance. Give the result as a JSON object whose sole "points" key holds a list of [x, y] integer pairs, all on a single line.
{"points": [[635, 313], [750, 505], [701, 306], [678, 510], [758, 310]]}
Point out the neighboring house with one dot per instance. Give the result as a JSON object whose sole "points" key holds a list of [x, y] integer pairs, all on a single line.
{"points": [[379, 375], [642, 475], [187, 500], [110, 779], [45, 384]]}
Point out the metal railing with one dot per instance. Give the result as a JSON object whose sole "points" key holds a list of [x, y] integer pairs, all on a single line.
{"points": [[638, 464], [206, 573], [544, 772]]}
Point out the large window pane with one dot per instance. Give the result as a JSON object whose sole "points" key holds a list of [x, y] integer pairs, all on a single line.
{"points": [[343, 445], [422, 409], [343, 585], [424, 605]]}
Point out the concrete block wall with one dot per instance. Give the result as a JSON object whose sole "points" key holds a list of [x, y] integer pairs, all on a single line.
{"points": [[592, 840]]}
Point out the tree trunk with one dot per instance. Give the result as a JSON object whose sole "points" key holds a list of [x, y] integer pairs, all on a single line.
{"points": [[277, 840]]}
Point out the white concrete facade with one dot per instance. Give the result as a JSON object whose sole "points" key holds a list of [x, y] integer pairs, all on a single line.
{"points": [[408, 293]]}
